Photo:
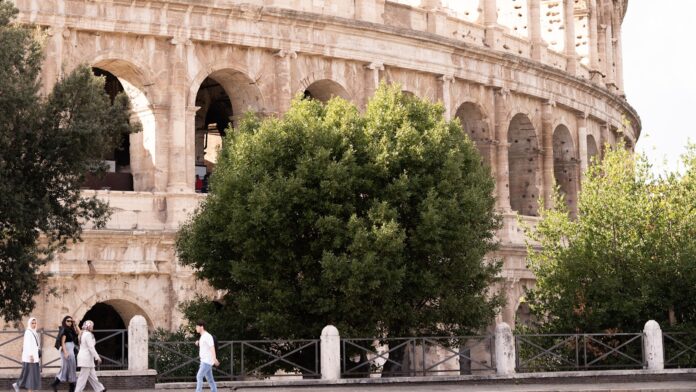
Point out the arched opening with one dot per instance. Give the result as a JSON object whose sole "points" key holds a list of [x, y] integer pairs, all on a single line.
{"points": [[118, 174], [223, 98], [523, 164], [131, 165], [112, 345], [325, 89], [592, 150], [476, 127], [523, 315], [565, 166]]}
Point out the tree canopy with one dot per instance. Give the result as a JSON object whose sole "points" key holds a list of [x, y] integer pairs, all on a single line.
{"points": [[47, 144], [377, 223], [629, 257]]}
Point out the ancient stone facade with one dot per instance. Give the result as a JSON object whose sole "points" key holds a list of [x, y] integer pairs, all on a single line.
{"points": [[537, 85]]}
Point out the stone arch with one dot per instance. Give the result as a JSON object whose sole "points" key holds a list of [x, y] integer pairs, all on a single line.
{"points": [[236, 82], [221, 97], [135, 82], [477, 126], [325, 89], [565, 166], [127, 304], [592, 149], [523, 165]]}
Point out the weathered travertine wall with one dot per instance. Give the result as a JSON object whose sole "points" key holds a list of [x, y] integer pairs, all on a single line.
{"points": [[536, 83]]}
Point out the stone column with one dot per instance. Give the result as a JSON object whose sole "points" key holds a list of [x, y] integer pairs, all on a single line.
{"points": [[372, 79], [51, 71], [370, 10], [654, 353], [137, 343], [178, 159], [436, 18], [569, 18], [539, 47], [501, 135], [505, 357], [611, 67], [582, 144], [161, 147], [283, 80], [602, 48], [547, 163], [490, 21], [618, 51], [595, 72], [603, 139], [446, 94], [330, 353]]}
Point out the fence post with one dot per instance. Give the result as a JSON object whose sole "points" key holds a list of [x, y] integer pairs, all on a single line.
{"points": [[137, 343], [654, 353], [504, 350], [330, 353]]}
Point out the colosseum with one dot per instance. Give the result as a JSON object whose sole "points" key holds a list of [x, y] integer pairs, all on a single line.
{"points": [[537, 84]]}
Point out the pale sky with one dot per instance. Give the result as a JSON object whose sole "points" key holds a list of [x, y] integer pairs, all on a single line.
{"points": [[659, 48]]}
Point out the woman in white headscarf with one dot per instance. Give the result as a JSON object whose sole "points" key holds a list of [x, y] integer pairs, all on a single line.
{"points": [[30, 377], [85, 359]]}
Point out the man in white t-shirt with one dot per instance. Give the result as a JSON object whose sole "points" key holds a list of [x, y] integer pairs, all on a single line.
{"points": [[206, 351]]}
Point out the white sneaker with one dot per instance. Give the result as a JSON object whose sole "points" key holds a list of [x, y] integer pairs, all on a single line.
{"points": [[15, 387]]}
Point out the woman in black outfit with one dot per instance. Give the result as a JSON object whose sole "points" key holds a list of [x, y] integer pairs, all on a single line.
{"points": [[68, 365]]}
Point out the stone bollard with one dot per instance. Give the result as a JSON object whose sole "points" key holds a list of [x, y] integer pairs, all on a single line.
{"points": [[137, 343], [652, 346], [330, 353], [504, 350]]}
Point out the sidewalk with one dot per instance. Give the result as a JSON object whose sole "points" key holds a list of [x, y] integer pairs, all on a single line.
{"points": [[671, 386]]}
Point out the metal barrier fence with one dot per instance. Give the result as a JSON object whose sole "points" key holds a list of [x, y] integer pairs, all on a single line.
{"points": [[417, 356], [239, 360], [556, 352], [109, 341], [679, 349]]}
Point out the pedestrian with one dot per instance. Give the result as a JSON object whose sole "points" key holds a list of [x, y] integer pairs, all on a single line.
{"points": [[30, 377], [67, 338], [208, 356], [85, 359]]}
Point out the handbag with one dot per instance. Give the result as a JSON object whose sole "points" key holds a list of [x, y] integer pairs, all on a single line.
{"points": [[37, 344]]}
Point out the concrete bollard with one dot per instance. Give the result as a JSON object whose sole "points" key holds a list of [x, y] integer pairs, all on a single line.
{"points": [[504, 350], [137, 343], [330, 353], [652, 346]]}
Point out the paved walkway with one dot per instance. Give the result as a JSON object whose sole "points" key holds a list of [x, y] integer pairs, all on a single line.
{"points": [[612, 387], [672, 386]]}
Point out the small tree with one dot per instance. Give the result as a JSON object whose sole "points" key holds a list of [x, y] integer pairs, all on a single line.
{"points": [[47, 144], [629, 257], [377, 223]]}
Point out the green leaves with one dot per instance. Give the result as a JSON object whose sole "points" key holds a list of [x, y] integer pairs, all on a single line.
{"points": [[376, 223], [46, 147], [629, 256]]}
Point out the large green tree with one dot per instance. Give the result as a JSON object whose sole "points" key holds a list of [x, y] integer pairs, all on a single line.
{"points": [[47, 144], [630, 256], [377, 223]]}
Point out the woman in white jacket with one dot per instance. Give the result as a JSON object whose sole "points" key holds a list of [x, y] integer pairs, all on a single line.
{"points": [[86, 358], [30, 377]]}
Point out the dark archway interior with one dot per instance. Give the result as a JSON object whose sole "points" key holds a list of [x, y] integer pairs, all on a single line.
{"points": [[122, 154], [113, 347], [212, 121]]}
